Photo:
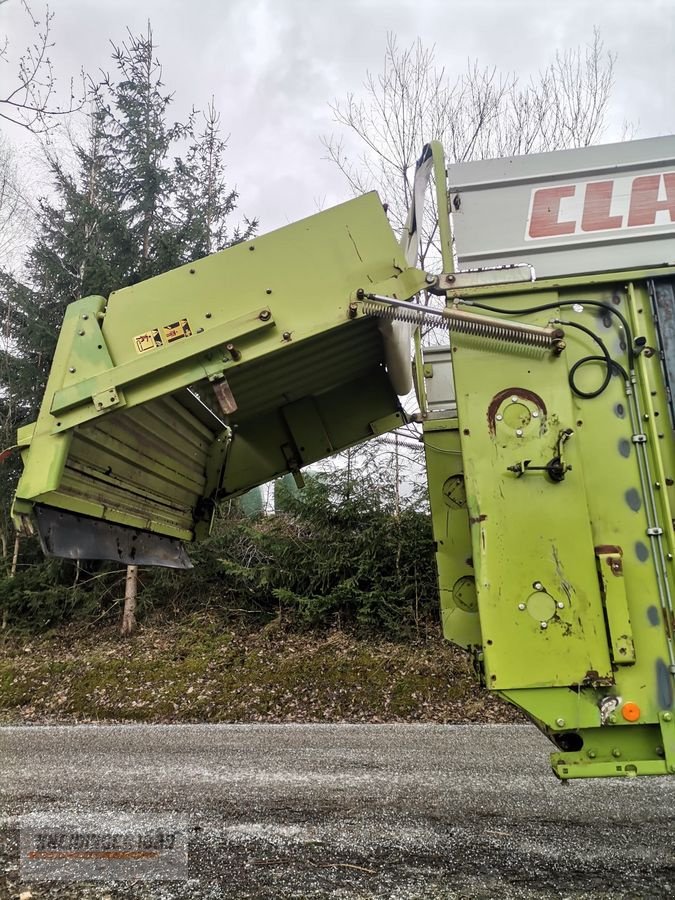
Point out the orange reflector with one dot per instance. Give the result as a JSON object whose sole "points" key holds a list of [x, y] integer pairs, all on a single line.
{"points": [[630, 712]]}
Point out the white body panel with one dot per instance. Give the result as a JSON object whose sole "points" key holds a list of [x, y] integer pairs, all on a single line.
{"points": [[597, 209]]}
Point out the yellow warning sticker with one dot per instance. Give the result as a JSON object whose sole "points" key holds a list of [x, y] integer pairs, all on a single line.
{"points": [[176, 331], [149, 340]]}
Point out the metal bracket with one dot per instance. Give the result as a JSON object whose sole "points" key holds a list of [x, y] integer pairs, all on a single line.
{"points": [[106, 399], [101, 386], [519, 273], [667, 724], [610, 570], [555, 468]]}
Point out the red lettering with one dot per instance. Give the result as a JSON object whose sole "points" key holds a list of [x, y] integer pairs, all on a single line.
{"points": [[597, 201], [546, 210], [644, 202]]}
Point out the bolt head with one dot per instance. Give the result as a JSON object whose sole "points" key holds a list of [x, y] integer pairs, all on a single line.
{"points": [[535, 413], [514, 399], [499, 417], [538, 586], [522, 607], [543, 625], [591, 754], [519, 432], [560, 604], [560, 723], [667, 717], [616, 752], [72, 370]]}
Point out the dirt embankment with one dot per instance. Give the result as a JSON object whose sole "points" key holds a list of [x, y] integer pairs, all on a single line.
{"points": [[202, 671]]}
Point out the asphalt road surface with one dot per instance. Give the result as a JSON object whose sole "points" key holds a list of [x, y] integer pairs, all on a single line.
{"points": [[339, 811]]}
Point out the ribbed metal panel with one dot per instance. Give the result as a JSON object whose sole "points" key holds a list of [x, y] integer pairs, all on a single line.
{"points": [[307, 368], [148, 462]]}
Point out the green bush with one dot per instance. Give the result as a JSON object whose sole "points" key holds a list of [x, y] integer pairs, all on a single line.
{"points": [[335, 557], [344, 553]]}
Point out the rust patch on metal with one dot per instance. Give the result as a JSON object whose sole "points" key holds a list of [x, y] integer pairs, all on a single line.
{"points": [[224, 396], [604, 549], [615, 564], [498, 399], [593, 678]]}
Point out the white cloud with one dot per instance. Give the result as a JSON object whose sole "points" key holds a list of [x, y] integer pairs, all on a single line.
{"points": [[274, 66]]}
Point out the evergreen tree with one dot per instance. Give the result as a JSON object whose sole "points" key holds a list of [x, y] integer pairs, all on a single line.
{"points": [[133, 114], [204, 201]]}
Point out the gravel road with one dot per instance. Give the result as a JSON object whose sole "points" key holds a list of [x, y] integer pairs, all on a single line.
{"points": [[339, 811]]}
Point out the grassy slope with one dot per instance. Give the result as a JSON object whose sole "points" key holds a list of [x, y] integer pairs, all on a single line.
{"points": [[195, 671]]}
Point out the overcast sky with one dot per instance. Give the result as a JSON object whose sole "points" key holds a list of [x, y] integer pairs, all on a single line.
{"points": [[274, 66]]}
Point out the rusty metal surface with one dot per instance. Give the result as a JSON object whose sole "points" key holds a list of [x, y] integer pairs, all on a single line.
{"points": [[78, 537]]}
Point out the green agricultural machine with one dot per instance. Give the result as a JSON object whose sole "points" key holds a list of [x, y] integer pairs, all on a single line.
{"points": [[547, 420]]}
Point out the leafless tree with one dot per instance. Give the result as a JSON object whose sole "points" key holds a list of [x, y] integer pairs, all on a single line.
{"points": [[16, 214], [479, 114], [31, 98]]}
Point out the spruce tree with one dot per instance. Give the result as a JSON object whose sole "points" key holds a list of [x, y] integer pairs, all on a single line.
{"points": [[133, 109], [204, 202]]}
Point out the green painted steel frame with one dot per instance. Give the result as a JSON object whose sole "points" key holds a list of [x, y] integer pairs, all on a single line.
{"points": [[273, 322], [605, 587]]}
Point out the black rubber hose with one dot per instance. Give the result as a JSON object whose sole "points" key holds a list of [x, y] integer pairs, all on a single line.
{"points": [[560, 303], [611, 364]]}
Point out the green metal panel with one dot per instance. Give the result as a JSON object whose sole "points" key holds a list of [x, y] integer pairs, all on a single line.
{"points": [[591, 555], [450, 523], [540, 607], [283, 366]]}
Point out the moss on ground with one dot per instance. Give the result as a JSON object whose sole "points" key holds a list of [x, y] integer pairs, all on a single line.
{"points": [[195, 671]]}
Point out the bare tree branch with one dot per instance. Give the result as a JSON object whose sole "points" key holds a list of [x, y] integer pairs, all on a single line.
{"points": [[31, 100], [479, 114]]}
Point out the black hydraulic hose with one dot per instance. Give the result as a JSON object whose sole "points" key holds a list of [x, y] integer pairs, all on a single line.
{"points": [[557, 305], [610, 364]]}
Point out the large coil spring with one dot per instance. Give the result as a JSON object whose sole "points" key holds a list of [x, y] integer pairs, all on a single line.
{"points": [[460, 322], [413, 316]]}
